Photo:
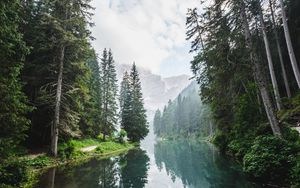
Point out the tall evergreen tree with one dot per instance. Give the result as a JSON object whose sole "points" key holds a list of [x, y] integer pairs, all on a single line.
{"points": [[157, 122], [125, 101], [56, 73], [139, 128], [90, 124], [13, 108], [133, 113], [109, 93]]}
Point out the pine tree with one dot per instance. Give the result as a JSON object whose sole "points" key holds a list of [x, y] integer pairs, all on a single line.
{"points": [[109, 93], [125, 101], [90, 124], [157, 122], [139, 118], [56, 70], [133, 113], [13, 108]]}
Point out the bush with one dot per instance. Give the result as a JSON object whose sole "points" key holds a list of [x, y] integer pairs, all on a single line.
{"points": [[14, 173], [100, 136], [66, 150], [295, 175], [122, 136], [269, 159], [221, 141], [239, 147], [39, 162]]}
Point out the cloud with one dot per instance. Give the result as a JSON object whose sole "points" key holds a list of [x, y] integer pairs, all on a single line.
{"points": [[145, 31]]}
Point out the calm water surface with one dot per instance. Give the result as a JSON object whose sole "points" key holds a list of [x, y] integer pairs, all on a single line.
{"points": [[164, 164]]}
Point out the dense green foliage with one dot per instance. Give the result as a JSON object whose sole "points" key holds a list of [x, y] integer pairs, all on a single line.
{"points": [[226, 67], [185, 116], [109, 93], [133, 113], [13, 102], [52, 85]]}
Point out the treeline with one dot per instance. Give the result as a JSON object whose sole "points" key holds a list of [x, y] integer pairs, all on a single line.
{"points": [[246, 65], [53, 87], [185, 116]]}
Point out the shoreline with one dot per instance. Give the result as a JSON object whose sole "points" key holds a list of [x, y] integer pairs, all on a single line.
{"points": [[36, 172]]}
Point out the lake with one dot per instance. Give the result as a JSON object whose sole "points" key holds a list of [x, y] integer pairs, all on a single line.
{"points": [[157, 164]]}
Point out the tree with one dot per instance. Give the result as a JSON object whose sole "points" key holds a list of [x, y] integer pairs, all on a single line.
{"points": [[261, 82], [133, 113], [125, 101], [269, 57], [109, 93], [289, 44], [56, 70], [157, 122], [13, 102], [139, 118], [283, 70], [90, 124]]}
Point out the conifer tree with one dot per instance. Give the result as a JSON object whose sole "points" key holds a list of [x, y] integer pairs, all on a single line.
{"points": [[13, 108], [56, 70], [109, 93], [125, 101], [157, 122], [133, 113], [139, 128], [90, 124]]}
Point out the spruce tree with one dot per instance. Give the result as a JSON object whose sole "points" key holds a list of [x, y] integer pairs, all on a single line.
{"points": [[157, 123], [13, 108], [90, 124], [109, 93], [56, 69], [133, 113], [139, 128], [125, 101]]}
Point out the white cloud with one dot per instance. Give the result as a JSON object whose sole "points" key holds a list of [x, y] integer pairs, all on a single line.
{"points": [[145, 31]]}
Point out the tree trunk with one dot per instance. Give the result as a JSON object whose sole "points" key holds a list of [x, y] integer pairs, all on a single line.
{"points": [[289, 44], [54, 129], [270, 61], [261, 82], [285, 79]]}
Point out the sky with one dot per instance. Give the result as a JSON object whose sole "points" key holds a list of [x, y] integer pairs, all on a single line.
{"points": [[149, 32]]}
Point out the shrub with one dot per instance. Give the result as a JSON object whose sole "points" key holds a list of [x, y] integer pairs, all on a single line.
{"points": [[100, 136], [221, 141], [269, 159], [239, 147], [295, 175], [14, 173], [122, 136], [39, 162], [66, 150]]}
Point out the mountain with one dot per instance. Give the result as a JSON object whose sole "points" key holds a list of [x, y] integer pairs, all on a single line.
{"points": [[156, 89]]}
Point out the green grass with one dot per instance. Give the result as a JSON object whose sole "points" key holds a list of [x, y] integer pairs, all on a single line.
{"points": [[106, 147], [78, 144]]}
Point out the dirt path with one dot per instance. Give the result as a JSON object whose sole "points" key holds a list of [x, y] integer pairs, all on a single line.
{"points": [[88, 149]]}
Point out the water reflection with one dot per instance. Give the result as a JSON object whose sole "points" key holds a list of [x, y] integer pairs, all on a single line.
{"points": [[197, 164], [128, 170], [134, 168], [174, 164]]}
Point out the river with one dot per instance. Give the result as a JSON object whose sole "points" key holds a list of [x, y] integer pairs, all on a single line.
{"points": [[157, 164]]}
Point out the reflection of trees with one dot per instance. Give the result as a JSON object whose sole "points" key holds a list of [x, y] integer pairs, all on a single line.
{"points": [[197, 165], [134, 169], [109, 174], [94, 173]]}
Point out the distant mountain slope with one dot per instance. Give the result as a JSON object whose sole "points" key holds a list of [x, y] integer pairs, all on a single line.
{"points": [[156, 90]]}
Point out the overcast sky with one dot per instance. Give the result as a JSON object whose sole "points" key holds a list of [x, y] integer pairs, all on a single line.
{"points": [[149, 32]]}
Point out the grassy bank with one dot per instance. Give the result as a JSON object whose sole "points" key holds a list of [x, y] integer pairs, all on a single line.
{"points": [[23, 171]]}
